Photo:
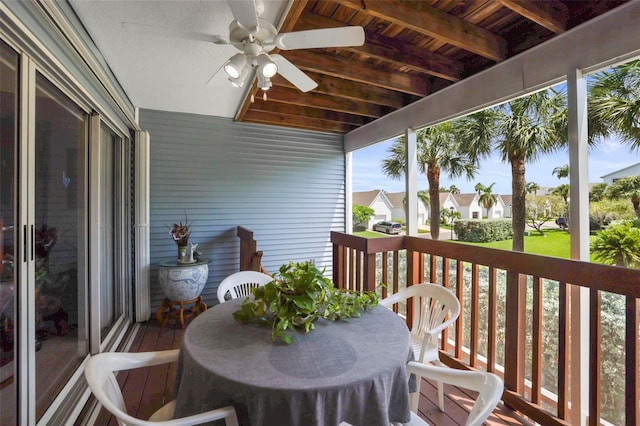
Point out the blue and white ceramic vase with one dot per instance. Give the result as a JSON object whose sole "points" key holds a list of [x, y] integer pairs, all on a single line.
{"points": [[182, 283]]}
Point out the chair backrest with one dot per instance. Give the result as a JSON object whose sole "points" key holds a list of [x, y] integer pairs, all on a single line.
{"points": [[241, 283], [489, 387], [434, 308], [99, 371], [100, 375]]}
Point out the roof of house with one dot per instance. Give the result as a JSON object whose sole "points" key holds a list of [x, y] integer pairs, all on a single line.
{"points": [[508, 199], [396, 198], [365, 198], [620, 170], [464, 199]]}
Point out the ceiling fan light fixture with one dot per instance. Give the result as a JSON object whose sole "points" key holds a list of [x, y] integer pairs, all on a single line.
{"points": [[267, 67], [264, 83], [239, 81], [235, 65]]}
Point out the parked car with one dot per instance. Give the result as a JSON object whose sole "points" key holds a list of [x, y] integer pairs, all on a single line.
{"points": [[388, 227], [562, 223]]}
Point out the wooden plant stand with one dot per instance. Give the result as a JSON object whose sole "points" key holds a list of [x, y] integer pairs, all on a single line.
{"points": [[176, 310]]}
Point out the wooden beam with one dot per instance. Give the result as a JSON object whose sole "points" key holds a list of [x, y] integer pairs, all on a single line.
{"points": [[387, 49], [317, 100], [348, 89], [433, 22], [345, 68], [553, 15], [305, 111], [297, 122]]}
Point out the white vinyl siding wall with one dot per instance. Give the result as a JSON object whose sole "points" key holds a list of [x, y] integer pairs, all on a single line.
{"points": [[285, 185]]}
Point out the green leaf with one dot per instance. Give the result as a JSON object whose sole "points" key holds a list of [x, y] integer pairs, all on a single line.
{"points": [[298, 295]]}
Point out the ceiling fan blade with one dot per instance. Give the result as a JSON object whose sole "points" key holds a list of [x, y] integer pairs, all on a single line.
{"points": [[151, 30], [293, 74], [328, 37], [246, 13]]}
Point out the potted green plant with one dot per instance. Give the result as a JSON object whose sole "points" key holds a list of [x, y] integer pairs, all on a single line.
{"points": [[298, 295]]}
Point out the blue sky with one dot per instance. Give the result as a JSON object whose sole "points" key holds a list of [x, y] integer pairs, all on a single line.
{"points": [[606, 158]]}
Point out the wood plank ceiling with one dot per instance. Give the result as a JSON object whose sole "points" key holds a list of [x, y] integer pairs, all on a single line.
{"points": [[412, 49]]}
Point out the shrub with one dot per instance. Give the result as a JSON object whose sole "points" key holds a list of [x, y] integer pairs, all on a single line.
{"points": [[618, 245], [483, 231]]}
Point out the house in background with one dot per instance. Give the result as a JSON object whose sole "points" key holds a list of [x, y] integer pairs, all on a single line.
{"points": [[497, 211], [399, 211], [376, 199], [632, 170], [507, 201], [468, 205]]}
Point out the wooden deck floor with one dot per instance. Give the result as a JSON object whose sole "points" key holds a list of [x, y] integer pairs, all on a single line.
{"points": [[145, 390]]}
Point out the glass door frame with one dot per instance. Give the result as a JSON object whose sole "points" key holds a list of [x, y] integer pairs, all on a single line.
{"points": [[25, 249], [98, 203]]}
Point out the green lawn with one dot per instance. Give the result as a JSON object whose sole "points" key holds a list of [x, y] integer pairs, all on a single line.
{"points": [[554, 243], [369, 234]]}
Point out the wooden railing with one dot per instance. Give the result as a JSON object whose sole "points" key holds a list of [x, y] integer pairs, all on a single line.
{"points": [[250, 257], [507, 333]]}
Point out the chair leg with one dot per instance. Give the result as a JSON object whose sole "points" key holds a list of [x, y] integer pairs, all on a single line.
{"points": [[414, 397], [440, 387]]}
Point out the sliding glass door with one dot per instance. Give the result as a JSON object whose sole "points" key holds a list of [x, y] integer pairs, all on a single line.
{"points": [[61, 222], [65, 237], [9, 60]]}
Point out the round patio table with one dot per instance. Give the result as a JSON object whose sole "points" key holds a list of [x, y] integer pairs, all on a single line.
{"points": [[351, 370]]}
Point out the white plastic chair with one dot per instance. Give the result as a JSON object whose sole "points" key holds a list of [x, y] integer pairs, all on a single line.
{"points": [[99, 373], [434, 309], [489, 388], [240, 284]]}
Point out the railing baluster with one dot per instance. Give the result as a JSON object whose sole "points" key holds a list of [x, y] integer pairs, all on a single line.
{"points": [[433, 276], [396, 271], [444, 343], [474, 302], [385, 273], [459, 321], [536, 359], [563, 350], [491, 332], [358, 270], [595, 355], [632, 363]]}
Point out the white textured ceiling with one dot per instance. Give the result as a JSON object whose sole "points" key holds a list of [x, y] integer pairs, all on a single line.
{"points": [[169, 73]]}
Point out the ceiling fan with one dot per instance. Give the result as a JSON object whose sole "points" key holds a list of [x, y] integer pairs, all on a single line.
{"points": [[254, 37]]}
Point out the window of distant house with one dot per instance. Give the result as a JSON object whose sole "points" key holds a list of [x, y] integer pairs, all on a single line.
{"points": [[474, 215]]}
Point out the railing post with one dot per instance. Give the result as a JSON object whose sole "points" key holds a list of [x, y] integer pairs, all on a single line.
{"points": [[514, 332]]}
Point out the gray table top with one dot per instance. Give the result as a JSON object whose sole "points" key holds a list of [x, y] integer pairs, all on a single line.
{"points": [[351, 370]]}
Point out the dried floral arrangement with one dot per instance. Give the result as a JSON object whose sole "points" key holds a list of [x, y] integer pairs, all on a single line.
{"points": [[180, 232]]}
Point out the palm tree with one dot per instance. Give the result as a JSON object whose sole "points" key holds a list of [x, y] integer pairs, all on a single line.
{"points": [[525, 128], [487, 198], [561, 171], [454, 189], [438, 150], [614, 104], [563, 192], [628, 187], [532, 188], [479, 188]]}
